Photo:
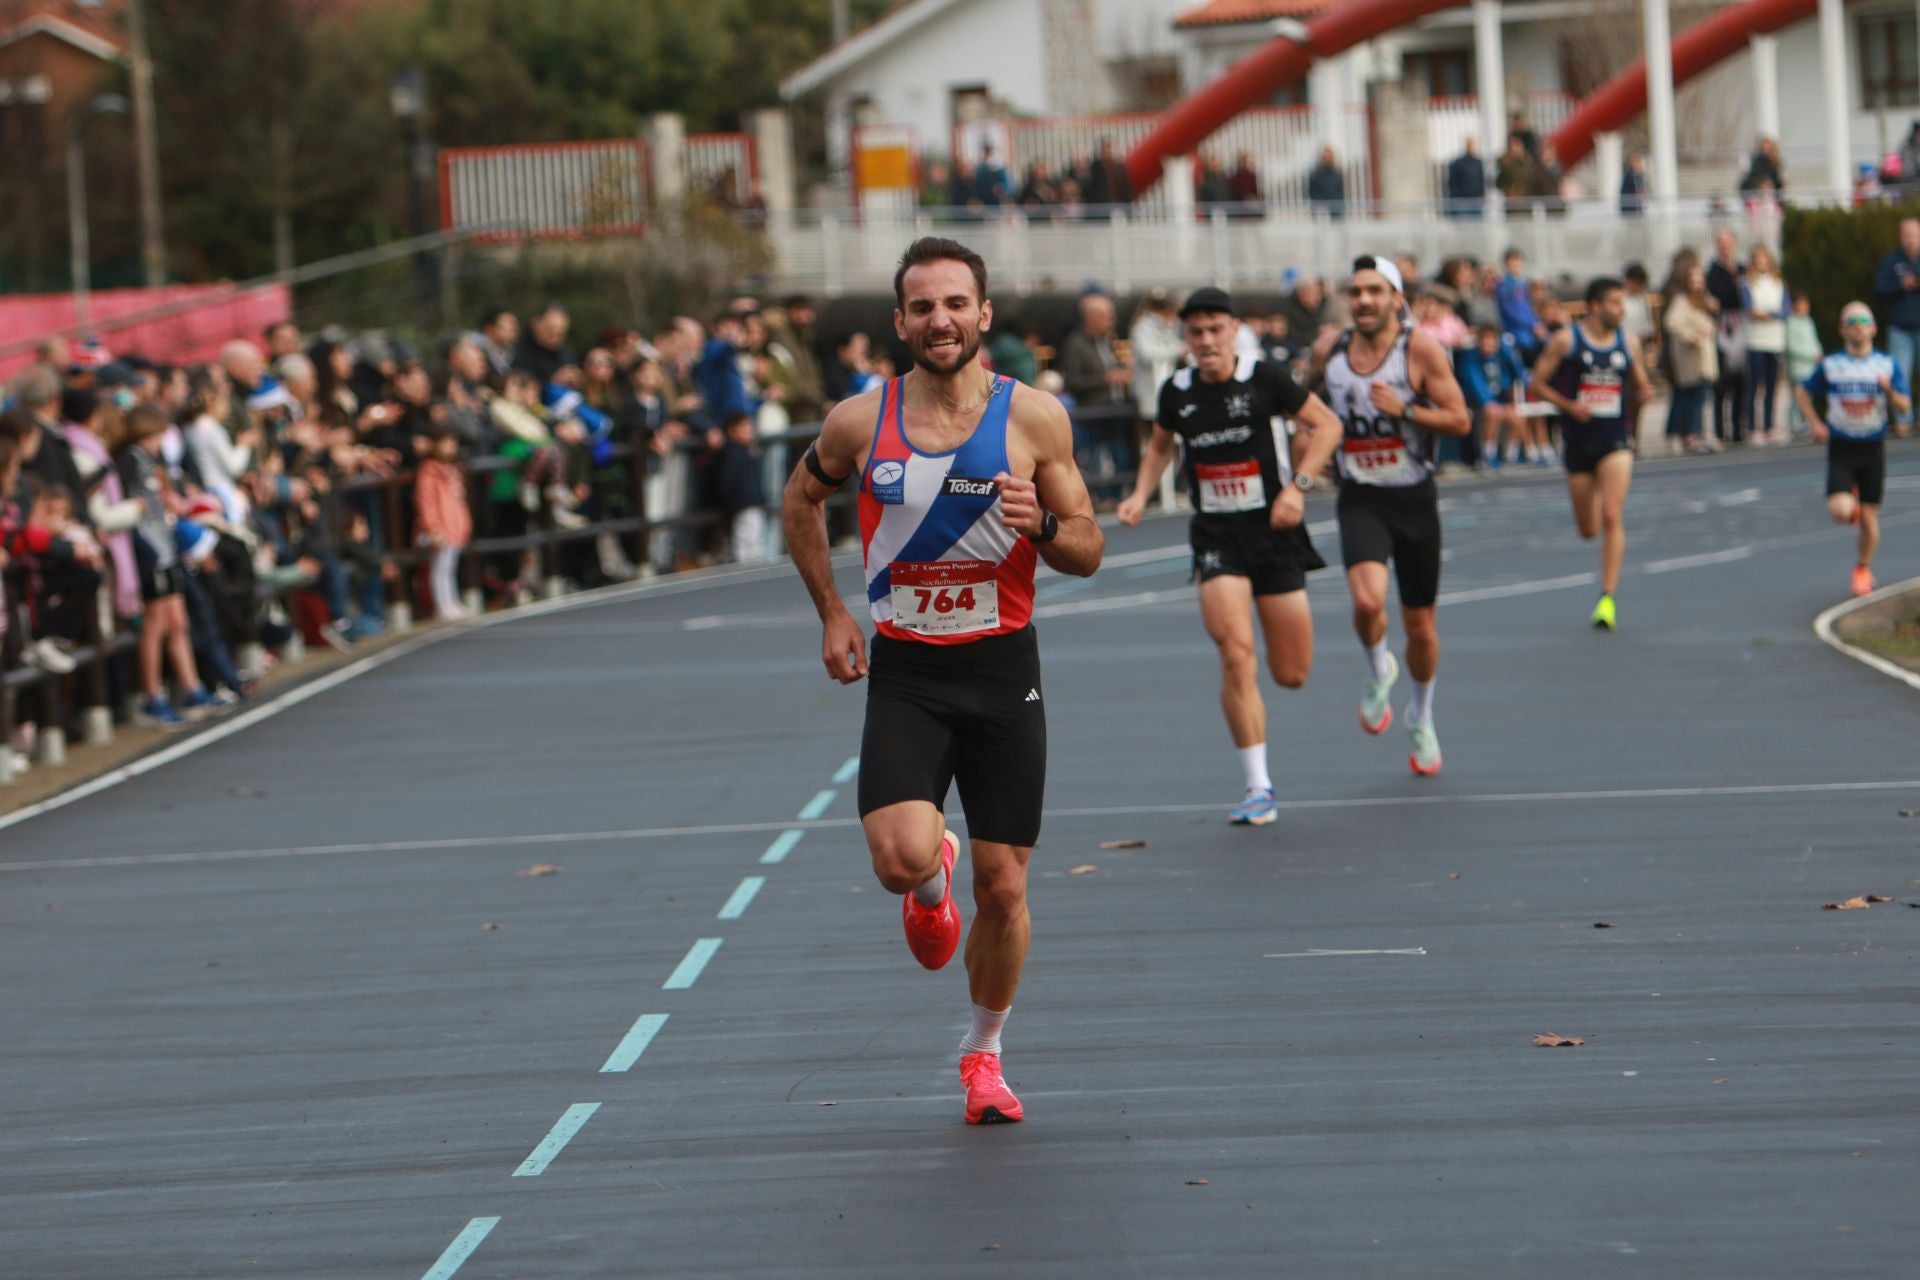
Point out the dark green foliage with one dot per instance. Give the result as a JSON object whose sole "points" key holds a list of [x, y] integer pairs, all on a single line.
{"points": [[1832, 255]]}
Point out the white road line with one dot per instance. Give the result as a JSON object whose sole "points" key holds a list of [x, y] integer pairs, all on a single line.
{"points": [[461, 1249], [1823, 627], [833, 824], [818, 805], [1370, 951], [782, 846], [847, 772], [1696, 561], [634, 1043], [688, 971], [293, 697], [571, 1121], [742, 898]]}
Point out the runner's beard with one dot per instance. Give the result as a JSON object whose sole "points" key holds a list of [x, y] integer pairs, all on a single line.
{"points": [[968, 349]]}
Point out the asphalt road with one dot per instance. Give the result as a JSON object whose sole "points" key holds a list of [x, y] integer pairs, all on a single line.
{"points": [[286, 1007]]}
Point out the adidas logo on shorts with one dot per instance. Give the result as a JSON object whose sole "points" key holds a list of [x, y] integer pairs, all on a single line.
{"points": [[1033, 695]]}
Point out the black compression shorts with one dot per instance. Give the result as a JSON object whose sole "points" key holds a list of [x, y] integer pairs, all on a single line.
{"points": [[966, 713], [1275, 561], [1378, 525], [1584, 447], [1857, 464]]}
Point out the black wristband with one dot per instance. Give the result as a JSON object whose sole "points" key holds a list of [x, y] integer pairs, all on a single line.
{"points": [[812, 459]]}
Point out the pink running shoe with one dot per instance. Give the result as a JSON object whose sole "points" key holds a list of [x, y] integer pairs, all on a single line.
{"points": [[934, 932], [989, 1101]]}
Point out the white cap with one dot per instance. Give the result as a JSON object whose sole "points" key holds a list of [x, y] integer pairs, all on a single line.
{"points": [[1385, 266]]}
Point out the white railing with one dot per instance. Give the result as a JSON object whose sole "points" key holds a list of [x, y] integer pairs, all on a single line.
{"points": [[1284, 141], [1136, 248], [545, 189], [1451, 121], [711, 157]]}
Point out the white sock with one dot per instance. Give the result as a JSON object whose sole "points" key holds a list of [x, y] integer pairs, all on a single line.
{"points": [[1379, 660], [931, 891], [1422, 709], [984, 1035], [1253, 762]]}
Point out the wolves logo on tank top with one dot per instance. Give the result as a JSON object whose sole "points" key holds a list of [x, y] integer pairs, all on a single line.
{"points": [[1375, 450], [942, 565]]}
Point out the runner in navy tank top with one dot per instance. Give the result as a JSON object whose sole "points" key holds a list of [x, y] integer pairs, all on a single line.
{"points": [[966, 480], [1592, 372]]}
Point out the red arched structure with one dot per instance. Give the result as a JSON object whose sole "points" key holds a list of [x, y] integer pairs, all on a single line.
{"points": [[1283, 61], [1262, 73], [1698, 48]]}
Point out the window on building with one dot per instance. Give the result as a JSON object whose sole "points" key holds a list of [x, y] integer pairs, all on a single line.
{"points": [[1889, 46], [1448, 73]]}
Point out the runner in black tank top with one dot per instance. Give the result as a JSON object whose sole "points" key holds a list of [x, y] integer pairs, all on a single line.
{"points": [[1251, 553], [1393, 390], [1592, 372]]}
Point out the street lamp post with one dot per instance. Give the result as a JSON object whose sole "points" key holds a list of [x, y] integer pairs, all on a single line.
{"points": [[79, 241], [407, 95]]}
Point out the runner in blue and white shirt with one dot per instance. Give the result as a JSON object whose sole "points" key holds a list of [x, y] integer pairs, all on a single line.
{"points": [[1863, 389]]}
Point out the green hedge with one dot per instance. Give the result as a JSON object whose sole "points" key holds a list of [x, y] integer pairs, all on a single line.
{"points": [[1833, 254]]}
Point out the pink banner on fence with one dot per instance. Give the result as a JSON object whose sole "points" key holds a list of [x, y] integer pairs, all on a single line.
{"points": [[198, 318]]}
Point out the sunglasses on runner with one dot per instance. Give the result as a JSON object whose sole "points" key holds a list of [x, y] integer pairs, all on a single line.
{"points": [[1857, 320]]}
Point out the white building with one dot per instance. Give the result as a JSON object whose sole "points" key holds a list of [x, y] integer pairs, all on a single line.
{"points": [[932, 65]]}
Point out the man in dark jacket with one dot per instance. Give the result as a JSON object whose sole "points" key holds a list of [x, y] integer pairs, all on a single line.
{"points": [[1327, 187], [1633, 186], [1467, 183], [1108, 182], [1725, 276], [1897, 285], [543, 349]]}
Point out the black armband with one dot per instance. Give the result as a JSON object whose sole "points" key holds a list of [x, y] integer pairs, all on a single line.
{"points": [[812, 459]]}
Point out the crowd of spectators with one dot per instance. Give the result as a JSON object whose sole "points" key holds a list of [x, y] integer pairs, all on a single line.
{"points": [[307, 484]]}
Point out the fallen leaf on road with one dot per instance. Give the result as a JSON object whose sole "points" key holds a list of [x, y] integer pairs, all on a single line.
{"points": [[1908, 813], [490, 927], [1453, 875], [539, 869], [827, 1104], [1601, 924], [1860, 903], [1084, 869], [1720, 1080], [1197, 1182], [989, 1248], [1554, 1040], [1123, 844]]}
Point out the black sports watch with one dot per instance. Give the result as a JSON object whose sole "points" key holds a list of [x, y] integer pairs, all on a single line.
{"points": [[1049, 528]]}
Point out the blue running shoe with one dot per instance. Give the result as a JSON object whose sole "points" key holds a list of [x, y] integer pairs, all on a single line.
{"points": [[199, 704], [157, 713], [1257, 810]]}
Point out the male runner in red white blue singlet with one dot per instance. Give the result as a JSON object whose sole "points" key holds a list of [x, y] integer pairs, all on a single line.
{"points": [[966, 480]]}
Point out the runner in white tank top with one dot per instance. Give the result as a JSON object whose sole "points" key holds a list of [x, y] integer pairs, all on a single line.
{"points": [[1393, 390]]}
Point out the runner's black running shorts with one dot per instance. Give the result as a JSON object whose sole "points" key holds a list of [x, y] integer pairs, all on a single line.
{"points": [[1402, 525], [1857, 464], [1584, 447], [966, 713], [1275, 561]]}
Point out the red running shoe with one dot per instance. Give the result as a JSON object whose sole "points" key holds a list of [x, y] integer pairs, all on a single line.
{"points": [[934, 932], [989, 1101], [1862, 584]]}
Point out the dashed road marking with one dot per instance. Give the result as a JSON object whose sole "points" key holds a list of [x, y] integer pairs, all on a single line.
{"points": [[782, 846], [818, 805], [742, 897], [634, 1043], [571, 1121], [687, 972], [461, 1249]]}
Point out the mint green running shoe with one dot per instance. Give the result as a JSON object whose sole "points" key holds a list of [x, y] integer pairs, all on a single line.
{"points": [[1376, 699]]}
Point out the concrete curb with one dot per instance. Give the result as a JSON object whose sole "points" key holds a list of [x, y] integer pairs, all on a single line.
{"points": [[1823, 627]]}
